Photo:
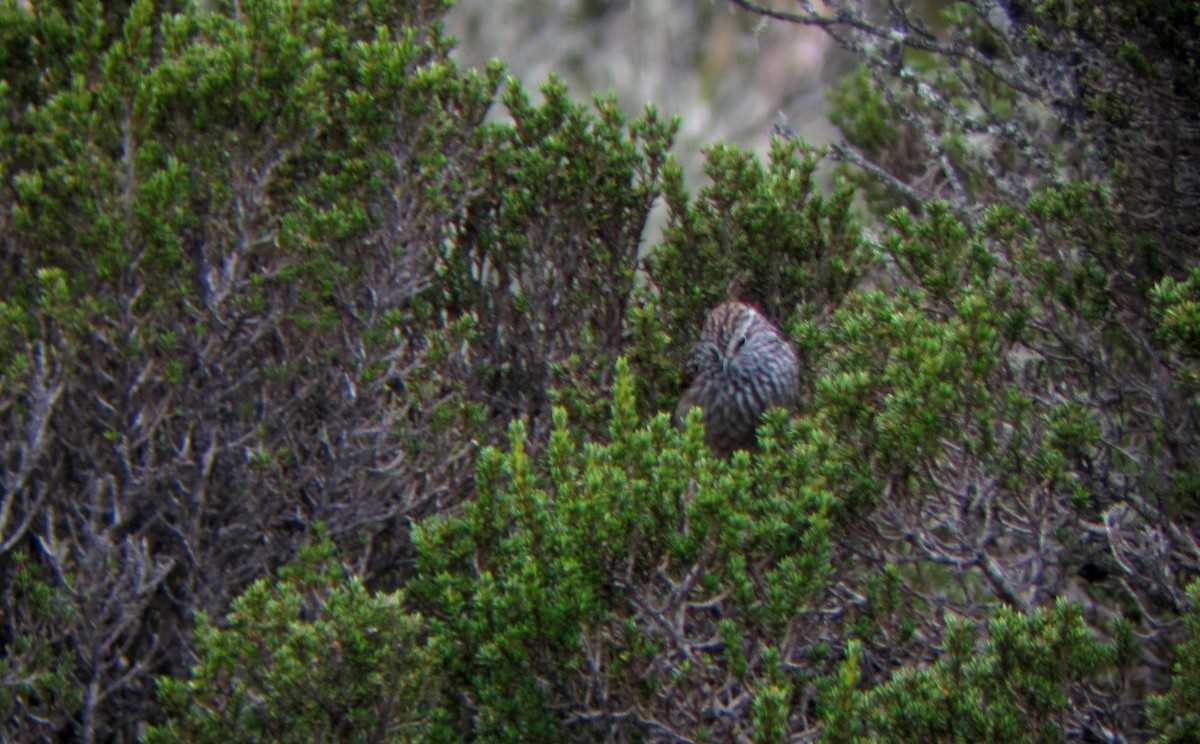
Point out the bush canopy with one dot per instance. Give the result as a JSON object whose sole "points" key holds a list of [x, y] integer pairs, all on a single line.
{"points": [[333, 380]]}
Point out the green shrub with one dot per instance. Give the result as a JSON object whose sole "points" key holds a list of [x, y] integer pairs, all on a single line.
{"points": [[1015, 686], [264, 267], [1175, 715], [309, 655], [634, 585], [267, 265]]}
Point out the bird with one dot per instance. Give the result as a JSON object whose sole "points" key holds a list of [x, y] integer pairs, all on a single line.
{"points": [[741, 366]]}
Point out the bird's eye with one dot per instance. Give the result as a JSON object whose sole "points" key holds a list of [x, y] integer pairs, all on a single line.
{"points": [[741, 342]]}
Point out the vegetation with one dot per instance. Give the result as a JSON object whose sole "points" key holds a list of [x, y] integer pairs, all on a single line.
{"points": [[331, 407]]}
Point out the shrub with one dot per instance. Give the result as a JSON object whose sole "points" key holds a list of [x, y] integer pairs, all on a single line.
{"points": [[1174, 713], [307, 655], [251, 257], [269, 265]]}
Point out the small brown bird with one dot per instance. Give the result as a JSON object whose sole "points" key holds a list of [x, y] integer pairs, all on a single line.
{"points": [[741, 366]]}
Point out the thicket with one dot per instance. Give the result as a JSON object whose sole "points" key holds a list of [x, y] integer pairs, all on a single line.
{"points": [[331, 408]]}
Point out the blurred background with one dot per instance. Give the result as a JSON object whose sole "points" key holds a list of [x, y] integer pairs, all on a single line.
{"points": [[727, 73]]}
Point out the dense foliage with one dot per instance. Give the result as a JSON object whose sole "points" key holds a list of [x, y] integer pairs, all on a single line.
{"points": [[330, 405]]}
